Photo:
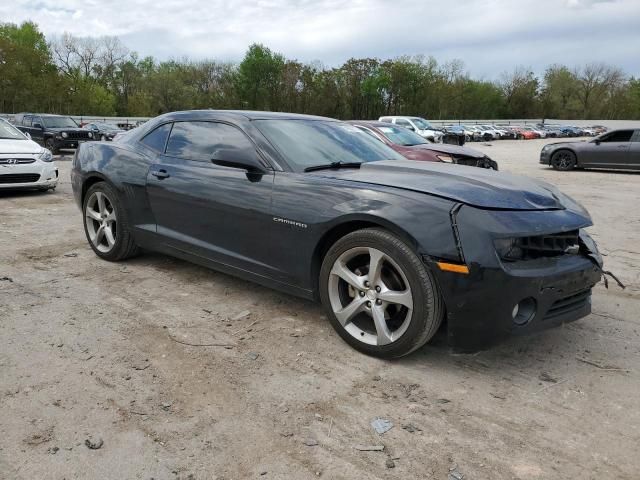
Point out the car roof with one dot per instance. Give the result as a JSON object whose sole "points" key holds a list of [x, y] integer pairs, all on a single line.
{"points": [[372, 123], [42, 114], [241, 115]]}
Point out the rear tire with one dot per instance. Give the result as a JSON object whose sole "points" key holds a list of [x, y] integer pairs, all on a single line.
{"points": [[379, 296], [106, 224], [563, 160]]}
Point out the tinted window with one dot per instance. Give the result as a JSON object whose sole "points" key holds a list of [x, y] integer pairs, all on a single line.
{"points": [[157, 138], [307, 143], [206, 140], [57, 122], [619, 136]]}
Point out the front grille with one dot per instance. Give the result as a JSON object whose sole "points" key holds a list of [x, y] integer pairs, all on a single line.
{"points": [[19, 178], [542, 246], [16, 161], [568, 304], [78, 135]]}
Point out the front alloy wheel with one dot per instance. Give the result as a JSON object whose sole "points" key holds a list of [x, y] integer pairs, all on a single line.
{"points": [[379, 295], [563, 160], [370, 296]]}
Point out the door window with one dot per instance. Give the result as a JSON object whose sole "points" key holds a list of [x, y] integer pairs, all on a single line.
{"points": [[157, 139], [636, 137], [403, 122], [26, 121], [618, 136], [204, 141]]}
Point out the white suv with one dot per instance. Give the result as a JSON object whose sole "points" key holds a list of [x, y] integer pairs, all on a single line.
{"points": [[418, 125], [24, 163]]}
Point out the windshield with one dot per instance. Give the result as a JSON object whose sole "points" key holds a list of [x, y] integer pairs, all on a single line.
{"points": [[402, 136], [421, 124], [9, 132], [59, 122], [308, 143], [106, 126]]}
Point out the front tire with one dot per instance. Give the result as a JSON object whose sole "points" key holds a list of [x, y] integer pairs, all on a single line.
{"points": [[50, 144], [379, 296], [106, 224], [563, 160]]}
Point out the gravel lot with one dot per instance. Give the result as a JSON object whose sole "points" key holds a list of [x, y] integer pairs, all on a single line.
{"points": [[98, 351]]}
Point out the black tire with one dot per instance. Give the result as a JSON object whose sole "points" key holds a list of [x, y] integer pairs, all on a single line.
{"points": [[428, 307], [50, 144], [124, 246], [563, 160]]}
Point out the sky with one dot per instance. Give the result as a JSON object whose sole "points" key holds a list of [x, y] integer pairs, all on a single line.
{"points": [[489, 36]]}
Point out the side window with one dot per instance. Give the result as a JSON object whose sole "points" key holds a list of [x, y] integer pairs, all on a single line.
{"points": [[619, 136], [636, 136], [157, 139], [402, 122], [37, 120], [204, 141], [26, 121]]}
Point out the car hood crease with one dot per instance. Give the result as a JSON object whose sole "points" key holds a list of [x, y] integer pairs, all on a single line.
{"points": [[469, 185]]}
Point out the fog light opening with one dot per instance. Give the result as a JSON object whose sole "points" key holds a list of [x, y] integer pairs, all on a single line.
{"points": [[524, 311]]}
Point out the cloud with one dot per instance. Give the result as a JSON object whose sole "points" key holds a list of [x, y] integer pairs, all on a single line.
{"points": [[489, 36]]}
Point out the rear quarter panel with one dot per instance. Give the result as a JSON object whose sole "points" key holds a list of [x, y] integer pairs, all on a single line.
{"points": [[124, 167]]}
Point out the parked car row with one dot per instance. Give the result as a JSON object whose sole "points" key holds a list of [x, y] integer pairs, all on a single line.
{"points": [[486, 133]]}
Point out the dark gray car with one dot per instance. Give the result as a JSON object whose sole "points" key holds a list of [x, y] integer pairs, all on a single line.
{"points": [[618, 149]]}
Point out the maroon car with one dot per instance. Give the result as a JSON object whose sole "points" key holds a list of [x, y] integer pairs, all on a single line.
{"points": [[414, 147]]}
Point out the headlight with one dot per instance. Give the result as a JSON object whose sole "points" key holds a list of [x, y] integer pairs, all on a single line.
{"points": [[508, 248], [64, 135], [445, 158], [45, 156], [90, 135]]}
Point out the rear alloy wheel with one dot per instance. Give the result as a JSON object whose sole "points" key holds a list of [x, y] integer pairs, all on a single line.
{"points": [[563, 160], [380, 297], [106, 225]]}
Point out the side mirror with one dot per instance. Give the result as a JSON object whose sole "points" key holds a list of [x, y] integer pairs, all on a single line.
{"points": [[37, 125], [236, 158], [27, 134]]}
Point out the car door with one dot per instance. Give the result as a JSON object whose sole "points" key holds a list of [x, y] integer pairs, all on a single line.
{"points": [[37, 129], [216, 212], [634, 151], [609, 151]]}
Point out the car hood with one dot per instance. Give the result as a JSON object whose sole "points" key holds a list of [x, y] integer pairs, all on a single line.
{"points": [[473, 186], [19, 146], [66, 129], [451, 149], [574, 142]]}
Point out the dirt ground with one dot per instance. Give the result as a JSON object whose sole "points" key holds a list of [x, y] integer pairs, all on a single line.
{"points": [[95, 352]]}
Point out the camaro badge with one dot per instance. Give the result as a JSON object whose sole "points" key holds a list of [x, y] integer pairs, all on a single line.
{"points": [[289, 222]]}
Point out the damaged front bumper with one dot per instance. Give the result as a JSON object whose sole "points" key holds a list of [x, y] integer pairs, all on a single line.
{"points": [[498, 299]]}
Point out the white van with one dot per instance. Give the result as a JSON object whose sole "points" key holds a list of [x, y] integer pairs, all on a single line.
{"points": [[419, 125]]}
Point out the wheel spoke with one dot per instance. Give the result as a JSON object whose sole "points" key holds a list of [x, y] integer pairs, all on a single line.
{"points": [[111, 216], [382, 330], [93, 214], [345, 314], [99, 235], [376, 258], [394, 296], [342, 271], [108, 233], [101, 206]]}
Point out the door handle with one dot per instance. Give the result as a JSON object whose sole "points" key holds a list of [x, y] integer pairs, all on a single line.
{"points": [[160, 174]]}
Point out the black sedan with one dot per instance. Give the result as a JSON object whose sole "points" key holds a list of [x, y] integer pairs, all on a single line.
{"points": [[103, 131], [317, 208], [617, 149]]}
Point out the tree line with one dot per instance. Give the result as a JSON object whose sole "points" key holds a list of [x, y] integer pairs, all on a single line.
{"points": [[101, 76]]}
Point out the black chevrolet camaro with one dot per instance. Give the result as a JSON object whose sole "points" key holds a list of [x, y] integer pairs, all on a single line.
{"points": [[317, 208]]}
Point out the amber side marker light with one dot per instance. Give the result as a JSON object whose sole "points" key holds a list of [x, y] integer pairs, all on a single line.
{"points": [[453, 267]]}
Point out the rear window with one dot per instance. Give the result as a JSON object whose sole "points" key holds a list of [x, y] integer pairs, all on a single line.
{"points": [[157, 139]]}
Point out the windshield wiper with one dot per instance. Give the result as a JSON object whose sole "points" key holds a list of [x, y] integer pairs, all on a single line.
{"points": [[331, 165]]}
